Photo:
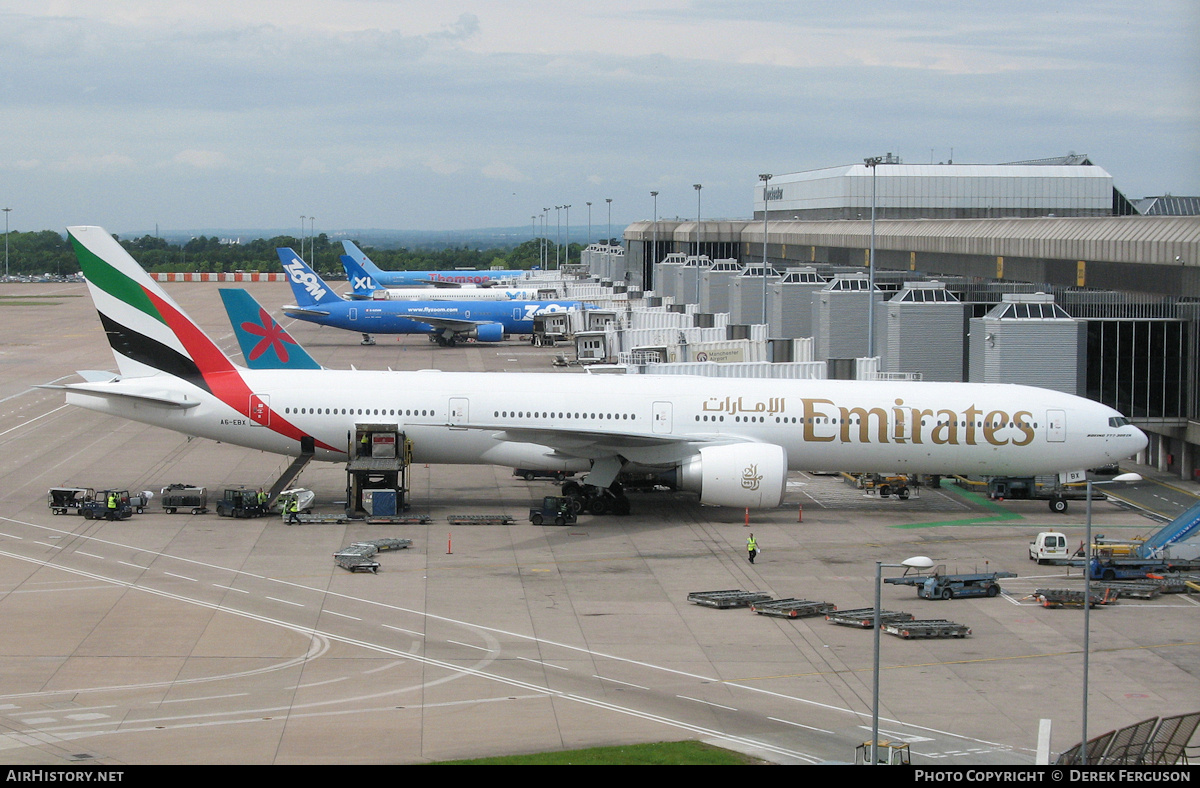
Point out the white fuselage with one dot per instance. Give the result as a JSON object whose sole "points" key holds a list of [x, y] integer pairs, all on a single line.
{"points": [[559, 421], [454, 294]]}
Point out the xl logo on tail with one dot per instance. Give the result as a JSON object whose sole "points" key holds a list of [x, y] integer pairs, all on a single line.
{"points": [[364, 283], [305, 278]]}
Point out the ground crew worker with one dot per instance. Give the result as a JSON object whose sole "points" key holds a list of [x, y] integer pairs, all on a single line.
{"points": [[751, 548], [111, 514], [293, 509]]}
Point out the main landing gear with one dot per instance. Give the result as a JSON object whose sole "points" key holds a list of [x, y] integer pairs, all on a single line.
{"points": [[596, 500]]}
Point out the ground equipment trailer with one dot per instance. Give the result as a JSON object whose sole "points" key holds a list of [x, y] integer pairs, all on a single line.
{"points": [[1061, 597], [940, 585], [926, 628], [729, 598], [184, 496], [62, 500], [1136, 568], [792, 608], [864, 617]]}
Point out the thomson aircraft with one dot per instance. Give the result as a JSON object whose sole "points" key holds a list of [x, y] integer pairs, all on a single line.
{"points": [[364, 286], [444, 321], [417, 278], [730, 440]]}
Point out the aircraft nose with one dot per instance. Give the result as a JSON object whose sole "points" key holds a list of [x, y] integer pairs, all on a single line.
{"points": [[1141, 439]]}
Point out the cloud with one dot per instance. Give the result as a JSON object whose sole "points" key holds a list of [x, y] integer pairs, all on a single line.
{"points": [[201, 159], [500, 171], [105, 162]]}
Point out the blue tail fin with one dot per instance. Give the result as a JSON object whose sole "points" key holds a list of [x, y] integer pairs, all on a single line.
{"points": [[362, 284], [308, 287], [265, 344], [361, 258]]}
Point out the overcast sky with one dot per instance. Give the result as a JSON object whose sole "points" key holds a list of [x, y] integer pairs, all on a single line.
{"points": [[467, 113]]}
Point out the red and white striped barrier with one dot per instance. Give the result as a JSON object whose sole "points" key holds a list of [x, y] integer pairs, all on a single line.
{"points": [[199, 277]]}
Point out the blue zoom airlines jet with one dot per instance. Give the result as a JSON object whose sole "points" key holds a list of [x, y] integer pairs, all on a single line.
{"points": [[418, 278], [445, 322]]}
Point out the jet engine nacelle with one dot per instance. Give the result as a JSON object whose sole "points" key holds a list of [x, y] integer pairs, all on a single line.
{"points": [[489, 332], [746, 475]]}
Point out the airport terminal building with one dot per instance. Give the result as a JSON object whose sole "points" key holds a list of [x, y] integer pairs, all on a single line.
{"points": [[1033, 271]]}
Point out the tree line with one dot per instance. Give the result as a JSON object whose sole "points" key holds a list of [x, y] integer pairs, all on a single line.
{"points": [[48, 252]]}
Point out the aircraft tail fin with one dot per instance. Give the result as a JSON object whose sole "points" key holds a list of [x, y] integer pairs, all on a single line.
{"points": [[361, 258], [265, 344], [307, 285], [362, 284], [149, 332]]}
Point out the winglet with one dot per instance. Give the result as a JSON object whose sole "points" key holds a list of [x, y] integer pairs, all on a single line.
{"points": [[265, 344]]}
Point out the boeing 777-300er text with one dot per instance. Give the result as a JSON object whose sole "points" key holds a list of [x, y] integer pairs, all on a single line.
{"points": [[730, 440], [445, 322], [364, 286], [418, 278]]}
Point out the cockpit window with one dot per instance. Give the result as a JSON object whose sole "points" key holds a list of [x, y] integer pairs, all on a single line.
{"points": [[1119, 421]]}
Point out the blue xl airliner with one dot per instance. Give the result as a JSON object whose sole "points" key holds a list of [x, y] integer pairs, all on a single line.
{"points": [[417, 278], [445, 322]]}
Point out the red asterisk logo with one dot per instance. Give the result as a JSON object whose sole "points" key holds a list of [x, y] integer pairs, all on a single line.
{"points": [[273, 336]]}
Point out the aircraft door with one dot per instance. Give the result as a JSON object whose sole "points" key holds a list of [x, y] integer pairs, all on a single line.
{"points": [[458, 412], [260, 410], [353, 312], [1056, 426], [662, 418]]}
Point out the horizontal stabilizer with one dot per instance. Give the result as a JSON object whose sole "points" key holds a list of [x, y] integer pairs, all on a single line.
{"points": [[162, 398]]}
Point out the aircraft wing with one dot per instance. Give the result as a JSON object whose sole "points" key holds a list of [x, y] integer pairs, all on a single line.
{"points": [[456, 325], [596, 444]]}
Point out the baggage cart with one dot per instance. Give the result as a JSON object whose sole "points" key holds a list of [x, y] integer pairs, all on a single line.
{"points": [[184, 496], [1061, 597], [926, 628], [64, 500], [792, 608], [479, 519], [864, 617], [727, 599]]}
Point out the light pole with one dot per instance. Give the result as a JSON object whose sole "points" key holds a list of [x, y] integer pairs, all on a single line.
{"points": [[7, 211], [589, 235], [654, 232], [567, 236], [1087, 603], [872, 162], [608, 240], [766, 181], [916, 562], [557, 234], [697, 187], [545, 238]]}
